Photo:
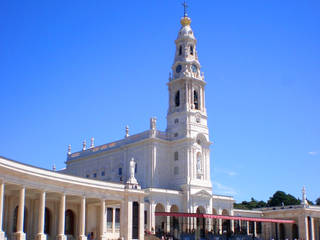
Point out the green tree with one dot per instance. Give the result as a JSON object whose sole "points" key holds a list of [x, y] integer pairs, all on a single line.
{"points": [[250, 205], [280, 198]]}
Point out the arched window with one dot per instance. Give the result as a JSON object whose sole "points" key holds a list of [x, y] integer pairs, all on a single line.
{"points": [[177, 99], [191, 50], [180, 50], [69, 224], [176, 156], [195, 99], [47, 218]]}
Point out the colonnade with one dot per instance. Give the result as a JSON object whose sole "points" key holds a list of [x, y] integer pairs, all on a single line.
{"points": [[60, 200]]}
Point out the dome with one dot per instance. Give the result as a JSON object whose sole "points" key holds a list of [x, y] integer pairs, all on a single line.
{"points": [[186, 32]]}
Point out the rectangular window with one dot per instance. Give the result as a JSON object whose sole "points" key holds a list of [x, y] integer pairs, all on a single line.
{"points": [[117, 222], [120, 171], [176, 156], [102, 173], [176, 171], [95, 175], [109, 218]]}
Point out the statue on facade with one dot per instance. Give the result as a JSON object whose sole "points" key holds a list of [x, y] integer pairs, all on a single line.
{"points": [[132, 167], [199, 168]]}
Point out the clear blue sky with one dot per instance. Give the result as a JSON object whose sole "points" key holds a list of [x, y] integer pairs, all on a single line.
{"points": [[70, 70]]}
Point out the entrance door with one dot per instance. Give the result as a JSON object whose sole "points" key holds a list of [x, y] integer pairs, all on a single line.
{"points": [[135, 220]]}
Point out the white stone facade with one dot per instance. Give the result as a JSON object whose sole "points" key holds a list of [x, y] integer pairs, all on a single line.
{"points": [[114, 190]]}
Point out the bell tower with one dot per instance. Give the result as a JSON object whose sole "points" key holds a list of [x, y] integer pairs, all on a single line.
{"points": [[187, 115]]}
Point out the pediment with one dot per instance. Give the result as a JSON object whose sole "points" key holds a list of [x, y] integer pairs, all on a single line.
{"points": [[202, 193]]}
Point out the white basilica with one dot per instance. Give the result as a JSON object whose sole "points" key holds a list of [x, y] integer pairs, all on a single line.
{"points": [[154, 181]]}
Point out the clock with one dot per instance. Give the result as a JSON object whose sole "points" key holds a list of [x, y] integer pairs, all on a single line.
{"points": [[194, 68], [178, 69]]}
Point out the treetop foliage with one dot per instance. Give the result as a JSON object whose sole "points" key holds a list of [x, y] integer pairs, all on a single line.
{"points": [[279, 198]]}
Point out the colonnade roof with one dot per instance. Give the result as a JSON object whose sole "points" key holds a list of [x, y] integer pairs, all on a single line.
{"points": [[38, 178]]}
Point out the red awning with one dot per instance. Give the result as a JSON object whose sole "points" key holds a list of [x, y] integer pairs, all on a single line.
{"points": [[204, 215]]}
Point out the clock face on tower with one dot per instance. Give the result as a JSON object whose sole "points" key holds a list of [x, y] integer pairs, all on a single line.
{"points": [[194, 68], [178, 69]]}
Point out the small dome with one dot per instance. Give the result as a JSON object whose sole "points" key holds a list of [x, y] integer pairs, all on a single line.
{"points": [[186, 32]]}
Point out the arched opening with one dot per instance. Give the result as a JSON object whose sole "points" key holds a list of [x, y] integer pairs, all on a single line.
{"points": [[177, 99], [282, 231], [180, 50], [47, 221], [191, 50], [69, 222], [160, 220], [15, 219], [201, 222], [174, 222], [195, 99], [225, 223], [295, 231]]}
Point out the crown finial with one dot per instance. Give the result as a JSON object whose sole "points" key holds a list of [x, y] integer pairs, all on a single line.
{"points": [[185, 20]]}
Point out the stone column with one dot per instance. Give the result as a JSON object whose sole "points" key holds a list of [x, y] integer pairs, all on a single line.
{"points": [[42, 205], [82, 227], [255, 229], [167, 229], [62, 210], [231, 222], [141, 219], [220, 226], [312, 236], [20, 235], [306, 230], [126, 219], [248, 228], [103, 220], [2, 235]]}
